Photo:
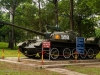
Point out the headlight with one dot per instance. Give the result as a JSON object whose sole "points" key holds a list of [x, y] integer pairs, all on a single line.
{"points": [[57, 36]]}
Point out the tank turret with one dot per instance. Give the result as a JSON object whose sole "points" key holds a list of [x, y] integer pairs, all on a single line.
{"points": [[64, 36]]}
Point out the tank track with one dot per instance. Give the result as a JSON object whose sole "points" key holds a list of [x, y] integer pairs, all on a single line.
{"points": [[64, 51]]}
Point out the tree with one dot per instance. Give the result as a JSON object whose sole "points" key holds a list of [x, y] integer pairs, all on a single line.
{"points": [[94, 4], [97, 32], [11, 6], [27, 16], [82, 18], [3, 29]]}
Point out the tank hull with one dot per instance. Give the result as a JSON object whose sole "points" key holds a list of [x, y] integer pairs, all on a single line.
{"points": [[65, 50]]}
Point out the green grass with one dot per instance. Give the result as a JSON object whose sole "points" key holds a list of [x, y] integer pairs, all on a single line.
{"points": [[98, 56], [85, 69], [15, 69], [3, 45], [8, 52]]}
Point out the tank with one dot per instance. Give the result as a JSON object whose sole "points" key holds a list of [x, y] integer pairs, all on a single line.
{"points": [[63, 45]]}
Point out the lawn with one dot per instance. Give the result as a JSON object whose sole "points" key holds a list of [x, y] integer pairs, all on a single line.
{"points": [[98, 56], [4, 45], [86, 69], [16, 69], [8, 52], [89, 70]]}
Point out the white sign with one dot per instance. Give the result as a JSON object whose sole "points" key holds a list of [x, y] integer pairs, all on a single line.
{"points": [[46, 44]]}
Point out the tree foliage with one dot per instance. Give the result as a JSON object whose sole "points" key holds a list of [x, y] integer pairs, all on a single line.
{"points": [[27, 15]]}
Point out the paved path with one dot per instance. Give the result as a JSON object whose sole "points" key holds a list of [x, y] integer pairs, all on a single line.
{"points": [[59, 70], [64, 71]]}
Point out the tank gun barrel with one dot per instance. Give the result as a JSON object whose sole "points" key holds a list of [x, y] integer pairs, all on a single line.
{"points": [[36, 32]]}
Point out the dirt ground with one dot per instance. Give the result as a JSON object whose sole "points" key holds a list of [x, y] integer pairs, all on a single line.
{"points": [[55, 66]]}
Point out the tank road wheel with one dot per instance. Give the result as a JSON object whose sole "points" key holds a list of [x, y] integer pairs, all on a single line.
{"points": [[90, 53], [54, 53], [84, 55], [66, 53], [74, 55]]}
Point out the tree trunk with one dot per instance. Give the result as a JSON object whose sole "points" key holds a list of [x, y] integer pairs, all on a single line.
{"points": [[39, 12], [71, 15], [11, 36], [56, 12], [79, 20], [10, 45]]}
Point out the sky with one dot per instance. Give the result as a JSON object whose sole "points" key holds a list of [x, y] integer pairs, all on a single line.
{"points": [[3, 9]]}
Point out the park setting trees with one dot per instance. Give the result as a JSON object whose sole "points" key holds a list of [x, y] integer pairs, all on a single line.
{"points": [[26, 13]]}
